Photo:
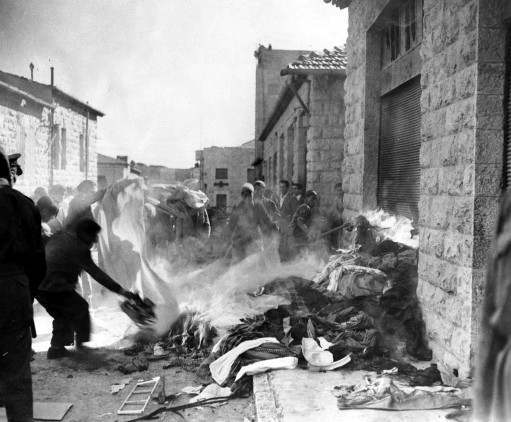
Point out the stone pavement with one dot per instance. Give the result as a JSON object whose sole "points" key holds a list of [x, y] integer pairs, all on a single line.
{"points": [[302, 396]]}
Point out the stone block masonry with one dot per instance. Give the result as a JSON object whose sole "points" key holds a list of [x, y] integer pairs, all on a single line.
{"points": [[26, 129], [461, 156]]}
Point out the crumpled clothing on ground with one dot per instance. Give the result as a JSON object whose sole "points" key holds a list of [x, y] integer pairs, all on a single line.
{"points": [[383, 393]]}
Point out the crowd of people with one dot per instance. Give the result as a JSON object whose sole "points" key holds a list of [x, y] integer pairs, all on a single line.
{"points": [[295, 217], [43, 250], [46, 249]]}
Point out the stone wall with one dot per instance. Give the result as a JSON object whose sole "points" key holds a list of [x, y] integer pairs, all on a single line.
{"points": [[237, 160], [462, 73], [317, 140], [289, 123], [325, 137], [75, 123], [25, 129], [268, 85]]}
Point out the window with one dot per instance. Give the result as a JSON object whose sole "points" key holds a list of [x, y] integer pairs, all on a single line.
{"points": [[221, 201], [221, 174], [55, 147], [63, 148], [82, 153], [274, 179], [403, 29]]}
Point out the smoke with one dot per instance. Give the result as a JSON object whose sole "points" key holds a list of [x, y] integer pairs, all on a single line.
{"points": [[396, 228], [216, 290]]}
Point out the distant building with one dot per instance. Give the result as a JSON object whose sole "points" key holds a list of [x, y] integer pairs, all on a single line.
{"points": [[303, 137], [55, 133], [223, 170], [161, 174], [268, 87], [112, 169]]}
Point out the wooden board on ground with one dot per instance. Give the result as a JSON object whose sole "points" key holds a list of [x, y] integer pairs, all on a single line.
{"points": [[44, 411]]}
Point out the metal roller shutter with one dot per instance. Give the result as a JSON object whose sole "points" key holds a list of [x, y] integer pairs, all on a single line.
{"points": [[507, 116], [398, 167]]}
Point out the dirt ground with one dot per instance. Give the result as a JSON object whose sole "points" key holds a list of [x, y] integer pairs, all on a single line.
{"points": [[86, 384]]}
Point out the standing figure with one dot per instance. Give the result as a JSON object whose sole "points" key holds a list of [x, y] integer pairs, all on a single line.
{"points": [[288, 205], [67, 255], [493, 377], [302, 226], [269, 205], [22, 267], [335, 218], [247, 223]]}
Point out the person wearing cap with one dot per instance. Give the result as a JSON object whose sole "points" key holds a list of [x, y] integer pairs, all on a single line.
{"points": [[22, 267], [270, 206], [302, 222], [15, 167], [248, 222]]}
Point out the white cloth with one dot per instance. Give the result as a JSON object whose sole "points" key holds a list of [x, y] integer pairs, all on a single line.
{"points": [[221, 368], [212, 391], [288, 362]]}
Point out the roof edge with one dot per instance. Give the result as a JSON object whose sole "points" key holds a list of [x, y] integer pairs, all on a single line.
{"points": [[341, 4], [25, 94], [306, 72], [283, 101]]}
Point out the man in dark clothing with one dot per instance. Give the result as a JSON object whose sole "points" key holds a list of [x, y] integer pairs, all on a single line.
{"points": [[22, 267], [248, 221], [67, 255], [288, 205], [80, 205], [302, 222]]}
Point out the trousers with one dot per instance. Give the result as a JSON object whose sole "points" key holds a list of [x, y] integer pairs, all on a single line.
{"points": [[70, 313], [15, 347]]}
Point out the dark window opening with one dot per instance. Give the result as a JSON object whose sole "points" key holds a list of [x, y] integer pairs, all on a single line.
{"points": [[221, 201], [403, 29], [82, 153], [221, 173], [55, 150], [63, 148]]}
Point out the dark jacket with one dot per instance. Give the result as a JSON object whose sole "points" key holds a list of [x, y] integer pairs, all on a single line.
{"points": [[21, 247], [67, 256]]}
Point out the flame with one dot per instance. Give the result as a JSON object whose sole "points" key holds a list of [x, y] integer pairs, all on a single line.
{"points": [[396, 228]]}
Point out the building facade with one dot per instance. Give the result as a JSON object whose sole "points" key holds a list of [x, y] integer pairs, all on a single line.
{"points": [[55, 133], [112, 169], [303, 138], [426, 124], [160, 174], [269, 84], [223, 171]]}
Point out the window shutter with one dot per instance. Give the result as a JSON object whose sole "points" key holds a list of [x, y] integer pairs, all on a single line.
{"points": [[507, 115], [399, 149]]}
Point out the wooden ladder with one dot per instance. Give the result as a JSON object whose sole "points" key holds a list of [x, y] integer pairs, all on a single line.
{"points": [[134, 399]]}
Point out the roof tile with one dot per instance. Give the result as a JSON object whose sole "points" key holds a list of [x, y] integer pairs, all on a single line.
{"points": [[333, 61]]}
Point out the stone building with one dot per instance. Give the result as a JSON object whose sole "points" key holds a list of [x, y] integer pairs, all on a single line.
{"points": [[304, 134], [426, 124], [112, 169], [223, 170], [160, 174], [269, 84], [55, 133]]}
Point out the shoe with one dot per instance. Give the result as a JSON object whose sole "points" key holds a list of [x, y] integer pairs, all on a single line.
{"points": [[57, 353]]}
